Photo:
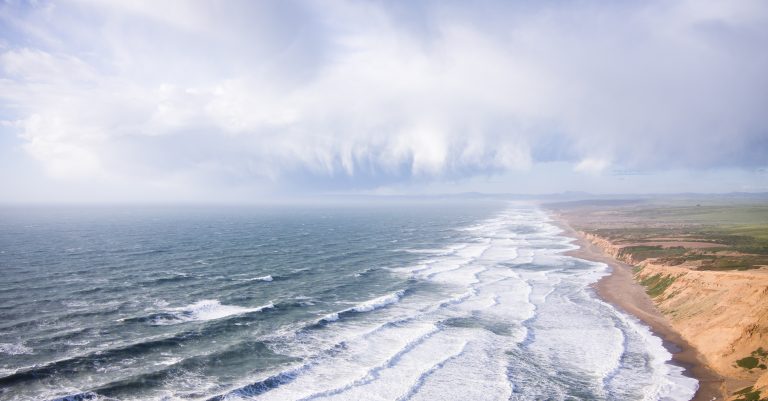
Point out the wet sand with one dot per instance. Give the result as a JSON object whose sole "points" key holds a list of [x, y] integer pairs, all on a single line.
{"points": [[620, 289]]}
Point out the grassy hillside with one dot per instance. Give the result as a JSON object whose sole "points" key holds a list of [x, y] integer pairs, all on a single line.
{"points": [[709, 237]]}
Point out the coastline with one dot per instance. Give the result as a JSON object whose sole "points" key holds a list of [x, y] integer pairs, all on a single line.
{"points": [[620, 290]]}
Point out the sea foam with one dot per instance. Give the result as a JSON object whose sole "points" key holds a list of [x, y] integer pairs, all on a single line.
{"points": [[14, 349], [379, 302], [206, 309], [366, 306]]}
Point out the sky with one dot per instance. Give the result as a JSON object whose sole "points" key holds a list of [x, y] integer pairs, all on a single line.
{"points": [[186, 101]]}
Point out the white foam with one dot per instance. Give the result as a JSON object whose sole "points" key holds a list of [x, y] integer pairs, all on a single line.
{"points": [[364, 272], [379, 302], [366, 306], [364, 361], [168, 362], [450, 249], [462, 275], [14, 349], [331, 317], [669, 382], [209, 309], [478, 372], [455, 343]]}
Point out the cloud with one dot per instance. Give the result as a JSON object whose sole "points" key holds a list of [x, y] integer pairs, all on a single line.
{"points": [[366, 94], [591, 165]]}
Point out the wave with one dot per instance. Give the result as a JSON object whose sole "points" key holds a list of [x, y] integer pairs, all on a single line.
{"points": [[284, 377], [279, 379], [75, 364], [167, 373], [365, 272], [14, 349], [470, 293], [451, 249], [669, 381], [374, 372], [424, 375], [331, 317], [87, 396], [367, 306], [174, 278], [204, 310], [262, 278], [379, 302], [263, 386], [235, 283]]}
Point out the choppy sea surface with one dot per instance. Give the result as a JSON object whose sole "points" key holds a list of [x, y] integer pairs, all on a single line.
{"points": [[397, 302]]}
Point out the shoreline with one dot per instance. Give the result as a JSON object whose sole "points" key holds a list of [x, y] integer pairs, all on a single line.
{"points": [[620, 289]]}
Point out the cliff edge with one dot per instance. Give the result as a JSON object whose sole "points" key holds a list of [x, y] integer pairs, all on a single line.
{"points": [[724, 314]]}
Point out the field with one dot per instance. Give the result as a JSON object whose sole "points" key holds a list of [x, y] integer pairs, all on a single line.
{"points": [[715, 236]]}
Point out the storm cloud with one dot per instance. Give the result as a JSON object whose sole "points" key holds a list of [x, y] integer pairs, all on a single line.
{"points": [[361, 95]]}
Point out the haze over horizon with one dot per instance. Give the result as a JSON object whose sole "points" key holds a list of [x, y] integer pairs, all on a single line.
{"points": [[170, 101]]}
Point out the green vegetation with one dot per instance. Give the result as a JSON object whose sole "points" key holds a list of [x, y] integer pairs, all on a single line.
{"points": [[741, 247], [719, 215], [734, 263], [742, 238], [718, 262], [749, 362], [749, 394], [757, 231], [745, 239], [656, 285], [757, 359], [727, 234], [640, 253]]}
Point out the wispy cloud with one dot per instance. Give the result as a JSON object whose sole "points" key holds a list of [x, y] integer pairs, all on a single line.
{"points": [[374, 93]]}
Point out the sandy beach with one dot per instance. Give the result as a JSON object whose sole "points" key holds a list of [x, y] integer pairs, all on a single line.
{"points": [[620, 289]]}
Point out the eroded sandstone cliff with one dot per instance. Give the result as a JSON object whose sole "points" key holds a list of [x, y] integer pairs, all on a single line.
{"points": [[724, 314]]}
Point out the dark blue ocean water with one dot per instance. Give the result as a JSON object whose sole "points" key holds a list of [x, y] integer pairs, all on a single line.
{"points": [[408, 301]]}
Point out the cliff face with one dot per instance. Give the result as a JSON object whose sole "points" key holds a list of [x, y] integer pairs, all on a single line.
{"points": [[603, 244], [762, 383], [724, 314], [609, 248]]}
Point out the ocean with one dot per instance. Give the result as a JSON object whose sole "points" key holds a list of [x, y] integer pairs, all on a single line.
{"points": [[419, 301]]}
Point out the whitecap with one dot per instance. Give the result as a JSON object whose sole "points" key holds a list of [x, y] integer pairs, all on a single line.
{"points": [[207, 309], [366, 306], [379, 302], [331, 317], [262, 278], [14, 349]]}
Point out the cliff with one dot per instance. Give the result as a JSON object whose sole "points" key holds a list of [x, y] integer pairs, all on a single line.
{"points": [[724, 314]]}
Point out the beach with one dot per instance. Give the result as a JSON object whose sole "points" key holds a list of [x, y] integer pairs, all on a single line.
{"points": [[621, 290]]}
